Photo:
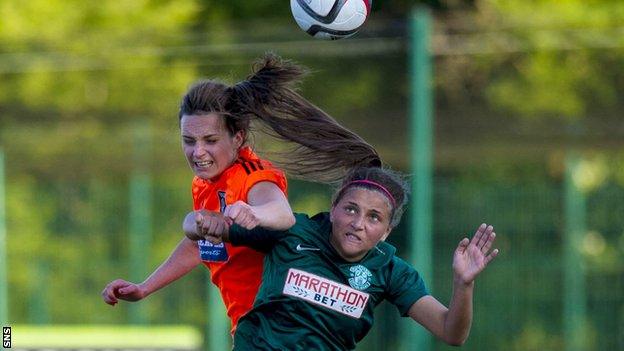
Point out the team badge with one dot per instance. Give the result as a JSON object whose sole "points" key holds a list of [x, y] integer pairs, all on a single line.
{"points": [[359, 277]]}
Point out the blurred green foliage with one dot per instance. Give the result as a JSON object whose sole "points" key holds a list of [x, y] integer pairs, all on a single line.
{"points": [[517, 85]]}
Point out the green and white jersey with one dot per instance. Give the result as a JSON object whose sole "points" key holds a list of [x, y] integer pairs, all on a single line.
{"points": [[311, 298]]}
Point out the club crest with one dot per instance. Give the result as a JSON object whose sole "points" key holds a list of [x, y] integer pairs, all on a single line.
{"points": [[359, 277]]}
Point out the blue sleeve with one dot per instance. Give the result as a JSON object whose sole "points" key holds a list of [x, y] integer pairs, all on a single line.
{"points": [[405, 286], [259, 239]]}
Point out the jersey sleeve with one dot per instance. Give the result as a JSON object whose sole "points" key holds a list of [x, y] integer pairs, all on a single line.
{"points": [[259, 239], [266, 174], [405, 286]]}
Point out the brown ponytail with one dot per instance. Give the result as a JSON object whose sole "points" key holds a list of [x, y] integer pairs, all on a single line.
{"points": [[323, 150]]}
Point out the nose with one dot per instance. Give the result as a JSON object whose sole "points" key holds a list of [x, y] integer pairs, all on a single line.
{"points": [[199, 150], [357, 223]]}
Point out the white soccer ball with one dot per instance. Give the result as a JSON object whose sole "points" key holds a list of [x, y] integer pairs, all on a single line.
{"points": [[330, 19]]}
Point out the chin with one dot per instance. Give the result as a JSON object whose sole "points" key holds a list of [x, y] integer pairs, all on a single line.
{"points": [[205, 175], [350, 252]]}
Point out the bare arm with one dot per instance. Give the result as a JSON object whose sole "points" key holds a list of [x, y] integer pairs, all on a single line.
{"points": [[452, 325], [181, 261], [267, 207]]}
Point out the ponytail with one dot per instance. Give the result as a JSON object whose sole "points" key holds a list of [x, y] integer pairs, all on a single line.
{"points": [[323, 150]]}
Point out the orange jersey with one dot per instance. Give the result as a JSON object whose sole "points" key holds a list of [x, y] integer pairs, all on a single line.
{"points": [[239, 277]]}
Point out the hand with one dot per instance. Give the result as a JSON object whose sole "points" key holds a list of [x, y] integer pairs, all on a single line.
{"points": [[210, 226], [123, 290], [242, 214], [471, 257]]}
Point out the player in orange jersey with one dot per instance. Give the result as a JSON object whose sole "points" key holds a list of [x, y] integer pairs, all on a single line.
{"points": [[229, 179]]}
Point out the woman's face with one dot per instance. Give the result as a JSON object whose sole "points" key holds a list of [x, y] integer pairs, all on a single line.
{"points": [[208, 146], [359, 221]]}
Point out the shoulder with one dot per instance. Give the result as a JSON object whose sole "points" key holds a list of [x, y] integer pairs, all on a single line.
{"points": [[303, 220], [313, 228], [250, 170], [387, 249], [318, 222], [382, 256], [250, 162]]}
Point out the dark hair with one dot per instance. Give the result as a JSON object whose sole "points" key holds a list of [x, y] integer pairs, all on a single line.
{"points": [[391, 181], [213, 96], [322, 149]]}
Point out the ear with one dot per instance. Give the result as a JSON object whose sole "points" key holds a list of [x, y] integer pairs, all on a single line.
{"points": [[331, 214], [388, 231], [238, 138]]}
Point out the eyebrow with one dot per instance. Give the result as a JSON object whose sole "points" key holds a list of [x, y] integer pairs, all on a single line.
{"points": [[376, 212], [201, 137], [372, 210]]}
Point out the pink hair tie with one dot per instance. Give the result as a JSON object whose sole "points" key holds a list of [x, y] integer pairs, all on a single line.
{"points": [[375, 184]]}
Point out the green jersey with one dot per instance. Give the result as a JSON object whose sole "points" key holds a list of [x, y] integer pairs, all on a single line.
{"points": [[311, 298]]}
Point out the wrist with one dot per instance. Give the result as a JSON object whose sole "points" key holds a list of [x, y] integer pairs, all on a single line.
{"points": [[460, 283], [143, 290]]}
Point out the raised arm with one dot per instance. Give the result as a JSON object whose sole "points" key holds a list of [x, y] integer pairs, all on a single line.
{"points": [[181, 261], [267, 207], [452, 325]]}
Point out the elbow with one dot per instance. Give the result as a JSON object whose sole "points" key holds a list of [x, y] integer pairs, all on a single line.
{"points": [[287, 222], [291, 220], [456, 341], [283, 222]]}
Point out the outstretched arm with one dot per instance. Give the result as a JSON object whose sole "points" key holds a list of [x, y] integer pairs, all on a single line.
{"points": [[181, 261], [453, 324]]}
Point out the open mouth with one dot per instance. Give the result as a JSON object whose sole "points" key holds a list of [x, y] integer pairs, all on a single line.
{"points": [[352, 237], [203, 164]]}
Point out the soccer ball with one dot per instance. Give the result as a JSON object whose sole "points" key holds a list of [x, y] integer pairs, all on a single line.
{"points": [[330, 19]]}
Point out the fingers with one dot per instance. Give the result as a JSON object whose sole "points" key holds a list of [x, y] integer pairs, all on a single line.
{"points": [[478, 234], [491, 256], [485, 236], [488, 243], [109, 297], [215, 236], [463, 244], [232, 210], [199, 223], [211, 225], [213, 239], [109, 294], [127, 290], [242, 214]]}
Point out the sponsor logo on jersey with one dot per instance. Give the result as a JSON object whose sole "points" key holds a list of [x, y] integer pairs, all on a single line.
{"points": [[360, 277], [325, 292], [304, 248]]}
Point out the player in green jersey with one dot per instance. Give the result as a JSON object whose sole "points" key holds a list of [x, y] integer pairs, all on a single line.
{"points": [[324, 276]]}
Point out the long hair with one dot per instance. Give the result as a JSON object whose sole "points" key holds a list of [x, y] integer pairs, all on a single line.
{"points": [[322, 149]]}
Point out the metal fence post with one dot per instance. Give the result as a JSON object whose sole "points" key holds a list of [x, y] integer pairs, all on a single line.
{"points": [[413, 337], [574, 296]]}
